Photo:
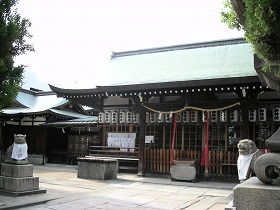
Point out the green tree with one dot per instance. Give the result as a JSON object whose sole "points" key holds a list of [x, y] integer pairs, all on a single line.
{"points": [[260, 20], [13, 35]]}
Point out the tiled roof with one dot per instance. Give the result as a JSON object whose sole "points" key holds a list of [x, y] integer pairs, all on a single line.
{"points": [[201, 61], [85, 121], [40, 104], [28, 111]]}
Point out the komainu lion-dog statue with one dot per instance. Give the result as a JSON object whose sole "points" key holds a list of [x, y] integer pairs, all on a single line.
{"points": [[248, 154], [17, 152], [267, 167]]}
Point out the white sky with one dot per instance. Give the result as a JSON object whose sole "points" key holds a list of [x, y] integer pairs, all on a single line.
{"points": [[73, 40]]}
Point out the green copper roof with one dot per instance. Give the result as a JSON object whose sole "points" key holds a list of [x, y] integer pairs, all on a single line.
{"points": [[40, 104], [213, 60], [84, 121]]}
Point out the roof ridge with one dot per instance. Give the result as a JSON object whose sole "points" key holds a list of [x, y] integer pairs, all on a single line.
{"points": [[37, 93], [180, 47]]}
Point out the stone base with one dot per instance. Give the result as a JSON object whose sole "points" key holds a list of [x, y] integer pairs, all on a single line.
{"points": [[19, 184], [255, 195], [18, 180], [230, 206], [100, 169], [17, 171], [17, 162], [23, 193]]}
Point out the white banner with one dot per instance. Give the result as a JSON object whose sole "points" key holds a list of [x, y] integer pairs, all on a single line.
{"points": [[19, 151]]}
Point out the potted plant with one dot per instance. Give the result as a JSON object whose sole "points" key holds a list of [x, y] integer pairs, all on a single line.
{"points": [[260, 21]]}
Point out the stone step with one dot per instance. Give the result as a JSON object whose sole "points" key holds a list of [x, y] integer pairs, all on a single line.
{"points": [[19, 184]]}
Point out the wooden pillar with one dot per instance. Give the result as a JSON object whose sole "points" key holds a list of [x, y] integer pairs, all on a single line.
{"points": [[103, 136], [35, 149], [2, 141], [245, 120], [44, 141], [141, 162]]}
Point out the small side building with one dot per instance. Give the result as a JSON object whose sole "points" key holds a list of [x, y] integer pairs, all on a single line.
{"points": [[32, 112]]}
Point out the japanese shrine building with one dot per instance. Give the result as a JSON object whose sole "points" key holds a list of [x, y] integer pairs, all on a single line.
{"points": [[42, 117], [142, 89]]}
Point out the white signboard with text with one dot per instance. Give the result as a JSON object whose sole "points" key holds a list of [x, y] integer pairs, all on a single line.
{"points": [[125, 140]]}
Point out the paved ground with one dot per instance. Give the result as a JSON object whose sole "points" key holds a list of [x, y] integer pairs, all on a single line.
{"points": [[128, 191]]}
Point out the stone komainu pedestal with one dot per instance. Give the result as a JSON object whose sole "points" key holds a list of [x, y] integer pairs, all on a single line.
{"points": [[16, 177], [255, 195], [263, 191], [18, 180]]}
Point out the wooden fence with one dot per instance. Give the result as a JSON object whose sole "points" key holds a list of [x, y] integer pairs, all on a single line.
{"points": [[222, 165], [65, 157]]}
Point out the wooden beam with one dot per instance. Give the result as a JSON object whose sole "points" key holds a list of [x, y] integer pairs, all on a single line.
{"points": [[141, 163], [245, 120]]}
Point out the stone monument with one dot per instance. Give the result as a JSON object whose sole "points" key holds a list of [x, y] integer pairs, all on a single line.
{"points": [[100, 168], [16, 178]]}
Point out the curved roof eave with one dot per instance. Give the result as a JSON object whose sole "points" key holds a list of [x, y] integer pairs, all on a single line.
{"points": [[65, 113], [77, 91], [27, 112], [139, 87], [78, 122], [54, 112]]}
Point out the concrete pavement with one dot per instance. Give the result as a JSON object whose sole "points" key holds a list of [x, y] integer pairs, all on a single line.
{"points": [[128, 191]]}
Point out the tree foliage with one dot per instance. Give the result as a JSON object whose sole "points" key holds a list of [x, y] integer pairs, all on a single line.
{"points": [[261, 27], [13, 36], [229, 16]]}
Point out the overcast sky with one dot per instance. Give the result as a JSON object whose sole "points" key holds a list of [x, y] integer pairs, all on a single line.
{"points": [[73, 40]]}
